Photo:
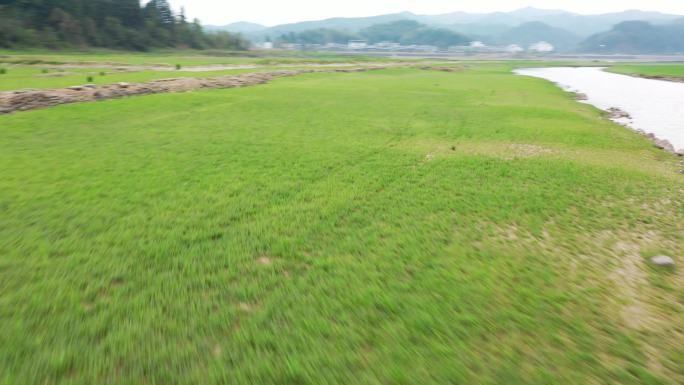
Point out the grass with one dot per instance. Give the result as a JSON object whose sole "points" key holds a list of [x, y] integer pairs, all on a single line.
{"points": [[668, 70], [22, 77], [391, 227], [171, 58]]}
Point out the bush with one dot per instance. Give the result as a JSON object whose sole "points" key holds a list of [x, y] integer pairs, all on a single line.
{"points": [[178, 66], [45, 70], [103, 73], [89, 79], [3, 71]]}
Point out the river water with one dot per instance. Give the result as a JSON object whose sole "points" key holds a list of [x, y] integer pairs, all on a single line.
{"points": [[654, 106]]}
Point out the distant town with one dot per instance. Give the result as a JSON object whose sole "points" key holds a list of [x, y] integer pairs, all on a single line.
{"points": [[388, 46]]}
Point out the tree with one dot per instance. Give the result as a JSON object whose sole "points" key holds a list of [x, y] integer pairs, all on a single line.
{"points": [[102, 23], [66, 27]]}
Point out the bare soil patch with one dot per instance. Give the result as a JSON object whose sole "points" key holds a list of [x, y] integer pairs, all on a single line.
{"points": [[25, 100]]}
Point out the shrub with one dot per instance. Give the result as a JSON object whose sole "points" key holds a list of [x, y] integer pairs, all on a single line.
{"points": [[103, 73], [178, 66], [89, 79], [3, 71], [45, 70]]}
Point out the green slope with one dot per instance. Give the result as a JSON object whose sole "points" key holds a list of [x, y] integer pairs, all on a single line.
{"points": [[392, 227]]}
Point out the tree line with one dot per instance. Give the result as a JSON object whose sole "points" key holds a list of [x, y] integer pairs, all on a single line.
{"points": [[120, 24], [406, 32]]}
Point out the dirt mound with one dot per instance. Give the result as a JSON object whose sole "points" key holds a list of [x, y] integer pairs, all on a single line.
{"points": [[24, 100]]}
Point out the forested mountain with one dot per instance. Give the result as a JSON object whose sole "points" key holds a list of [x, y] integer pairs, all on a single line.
{"points": [[409, 32], [634, 37], [103, 23], [487, 26], [318, 36], [350, 24], [535, 31], [239, 27], [406, 32]]}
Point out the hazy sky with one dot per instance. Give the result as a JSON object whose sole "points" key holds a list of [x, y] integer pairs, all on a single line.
{"points": [[272, 12]]}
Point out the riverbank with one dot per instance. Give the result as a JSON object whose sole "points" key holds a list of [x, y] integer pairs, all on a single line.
{"points": [[665, 72], [649, 107]]}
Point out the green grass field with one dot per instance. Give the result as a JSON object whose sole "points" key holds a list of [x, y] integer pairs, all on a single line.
{"points": [[389, 227], [38, 69], [171, 58], [23, 77], [669, 70]]}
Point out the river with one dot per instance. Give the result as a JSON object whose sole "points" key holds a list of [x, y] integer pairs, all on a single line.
{"points": [[654, 106]]}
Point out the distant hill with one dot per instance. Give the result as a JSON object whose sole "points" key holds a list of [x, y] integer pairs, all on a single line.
{"points": [[638, 37], [353, 24], [586, 25], [535, 31], [239, 27], [484, 26], [406, 32], [409, 32]]}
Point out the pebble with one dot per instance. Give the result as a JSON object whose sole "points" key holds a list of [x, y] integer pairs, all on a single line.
{"points": [[662, 260]]}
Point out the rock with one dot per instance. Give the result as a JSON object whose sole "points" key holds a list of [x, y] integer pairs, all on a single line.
{"points": [[664, 145], [617, 113], [90, 86], [429, 157], [266, 261], [76, 88], [581, 96], [122, 85], [680, 152], [662, 260]]}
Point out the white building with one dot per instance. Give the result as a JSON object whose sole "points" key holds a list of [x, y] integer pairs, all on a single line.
{"points": [[291, 46], [387, 45], [514, 48], [542, 47], [335, 46], [357, 44]]}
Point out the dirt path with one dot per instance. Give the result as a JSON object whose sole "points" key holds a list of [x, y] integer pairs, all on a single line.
{"points": [[12, 101]]}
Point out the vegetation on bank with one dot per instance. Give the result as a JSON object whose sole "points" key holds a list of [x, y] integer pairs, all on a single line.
{"points": [[401, 226], [123, 24], [655, 70]]}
